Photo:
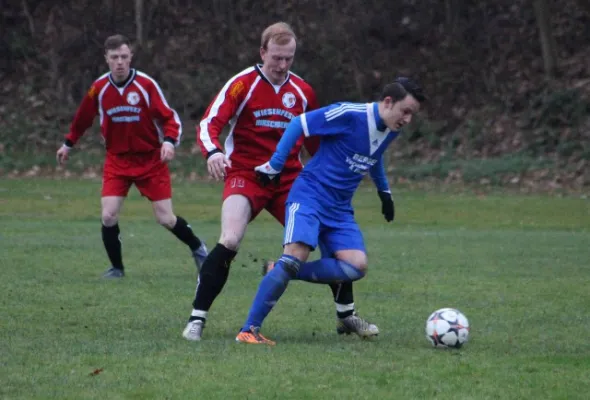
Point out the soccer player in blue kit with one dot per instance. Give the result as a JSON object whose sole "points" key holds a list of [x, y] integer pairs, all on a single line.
{"points": [[319, 209]]}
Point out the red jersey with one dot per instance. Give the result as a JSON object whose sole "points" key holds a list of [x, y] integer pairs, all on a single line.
{"points": [[134, 116], [258, 113]]}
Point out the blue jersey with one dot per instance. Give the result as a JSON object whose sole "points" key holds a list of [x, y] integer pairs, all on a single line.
{"points": [[353, 140]]}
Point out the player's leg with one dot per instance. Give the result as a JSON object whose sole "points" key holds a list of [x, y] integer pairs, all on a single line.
{"points": [[345, 242], [243, 198], [157, 187], [348, 267], [347, 319], [113, 193], [111, 235], [235, 214], [301, 235], [270, 290], [340, 235], [341, 292], [350, 321], [181, 229]]}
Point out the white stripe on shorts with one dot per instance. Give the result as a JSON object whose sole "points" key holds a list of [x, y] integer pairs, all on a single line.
{"points": [[291, 224]]}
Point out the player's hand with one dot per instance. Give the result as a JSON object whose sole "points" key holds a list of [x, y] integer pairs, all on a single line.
{"points": [[387, 206], [167, 152], [62, 154], [267, 174], [216, 165]]}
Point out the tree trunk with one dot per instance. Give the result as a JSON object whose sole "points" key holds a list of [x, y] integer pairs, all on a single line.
{"points": [[548, 45], [585, 4], [139, 22], [452, 12]]}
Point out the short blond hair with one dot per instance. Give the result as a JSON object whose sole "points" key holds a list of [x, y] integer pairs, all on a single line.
{"points": [[281, 33]]}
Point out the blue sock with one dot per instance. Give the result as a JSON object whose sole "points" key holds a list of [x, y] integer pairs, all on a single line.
{"points": [[328, 270], [271, 288]]}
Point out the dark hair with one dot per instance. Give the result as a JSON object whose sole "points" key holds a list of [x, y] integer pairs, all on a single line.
{"points": [[115, 41], [400, 87]]}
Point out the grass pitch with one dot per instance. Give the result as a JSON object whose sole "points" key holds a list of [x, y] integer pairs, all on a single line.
{"points": [[517, 266]]}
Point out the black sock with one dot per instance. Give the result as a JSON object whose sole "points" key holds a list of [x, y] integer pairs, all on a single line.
{"points": [[342, 293], [213, 276], [112, 244], [183, 231]]}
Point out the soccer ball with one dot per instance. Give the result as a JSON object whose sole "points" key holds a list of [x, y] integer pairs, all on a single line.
{"points": [[447, 327]]}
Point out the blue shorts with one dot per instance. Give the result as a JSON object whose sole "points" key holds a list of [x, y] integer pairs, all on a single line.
{"points": [[306, 224]]}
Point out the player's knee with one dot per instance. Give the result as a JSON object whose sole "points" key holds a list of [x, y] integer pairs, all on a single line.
{"points": [[109, 217], [231, 240], [363, 267], [362, 263], [298, 250], [357, 259], [166, 220]]}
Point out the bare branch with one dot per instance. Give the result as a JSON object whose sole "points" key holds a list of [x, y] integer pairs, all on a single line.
{"points": [[30, 19]]}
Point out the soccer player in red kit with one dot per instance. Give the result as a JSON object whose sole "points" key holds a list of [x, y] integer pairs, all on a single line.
{"points": [[140, 133], [258, 104]]}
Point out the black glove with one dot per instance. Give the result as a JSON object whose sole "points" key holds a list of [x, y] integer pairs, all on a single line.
{"points": [[387, 206], [267, 174], [266, 179]]}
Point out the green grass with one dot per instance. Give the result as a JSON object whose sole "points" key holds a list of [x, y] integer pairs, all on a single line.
{"points": [[517, 266], [474, 170]]}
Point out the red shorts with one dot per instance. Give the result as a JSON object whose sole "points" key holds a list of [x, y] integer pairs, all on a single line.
{"points": [[271, 198], [149, 174]]}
